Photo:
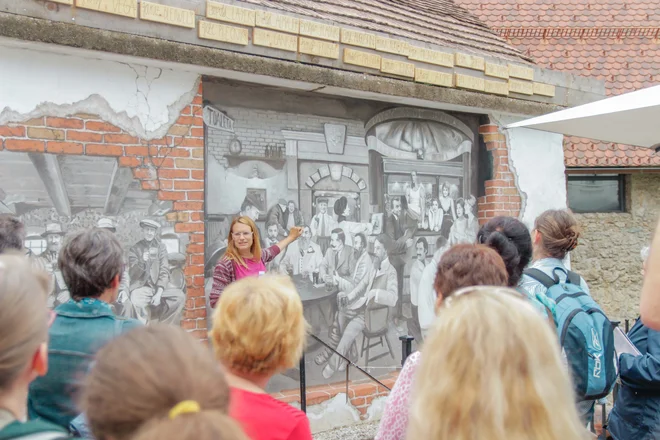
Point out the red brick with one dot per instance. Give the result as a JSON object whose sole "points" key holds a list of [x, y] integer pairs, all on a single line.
{"points": [[130, 161], [162, 141], [190, 120], [198, 100], [197, 110], [24, 145], [200, 334], [196, 292], [189, 163], [136, 151], [188, 325], [362, 390], [104, 150], [6, 131], [121, 139], [197, 174], [174, 174], [64, 147], [171, 195], [83, 136], [197, 238], [150, 185], [189, 227], [144, 173], [174, 152], [192, 142], [197, 132], [197, 259], [64, 123], [497, 184], [194, 314], [195, 248], [488, 129], [162, 162], [197, 217], [195, 195], [188, 184], [194, 270], [101, 126], [198, 302]]}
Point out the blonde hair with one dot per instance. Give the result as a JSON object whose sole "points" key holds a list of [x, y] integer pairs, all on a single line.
{"points": [[139, 377], [259, 326], [492, 369], [23, 315], [232, 253]]}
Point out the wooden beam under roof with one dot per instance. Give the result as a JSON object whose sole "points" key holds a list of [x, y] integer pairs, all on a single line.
{"points": [[50, 173], [119, 185]]}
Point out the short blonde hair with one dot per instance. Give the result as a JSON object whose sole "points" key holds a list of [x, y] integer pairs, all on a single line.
{"points": [[258, 325], [492, 369]]}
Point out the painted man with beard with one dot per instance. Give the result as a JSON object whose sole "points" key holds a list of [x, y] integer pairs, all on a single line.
{"points": [[150, 274], [350, 300], [272, 238], [322, 225], [303, 256], [53, 236], [339, 260], [381, 290]]}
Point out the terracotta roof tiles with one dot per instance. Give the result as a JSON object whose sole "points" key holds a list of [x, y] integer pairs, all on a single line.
{"points": [[627, 63]]}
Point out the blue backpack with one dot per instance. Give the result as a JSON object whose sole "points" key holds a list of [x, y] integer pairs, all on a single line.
{"points": [[585, 333]]}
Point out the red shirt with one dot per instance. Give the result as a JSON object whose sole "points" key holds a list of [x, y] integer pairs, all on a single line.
{"points": [[263, 417]]}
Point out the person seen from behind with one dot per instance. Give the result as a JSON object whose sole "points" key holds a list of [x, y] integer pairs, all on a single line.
{"points": [[555, 234], [24, 321], [253, 354], [637, 405], [92, 264], [512, 240], [244, 256], [492, 369], [461, 266], [158, 383]]}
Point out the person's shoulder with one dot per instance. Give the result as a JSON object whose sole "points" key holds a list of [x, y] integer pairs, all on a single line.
{"points": [[128, 324], [33, 430]]}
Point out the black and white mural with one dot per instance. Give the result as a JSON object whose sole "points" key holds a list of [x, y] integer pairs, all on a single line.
{"points": [[376, 194], [58, 194]]}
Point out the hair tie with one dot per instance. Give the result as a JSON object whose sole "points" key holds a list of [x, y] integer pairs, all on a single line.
{"points": [[185, 407]]}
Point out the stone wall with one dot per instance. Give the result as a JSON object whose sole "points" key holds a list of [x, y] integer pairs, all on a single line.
{"points": [[608, 256]]}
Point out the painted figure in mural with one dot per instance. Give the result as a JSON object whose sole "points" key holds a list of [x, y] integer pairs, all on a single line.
{"points": [[435, 217], [473, 222], [426, 295], [339, 260], [123, 306], [149, 274], [303, 257], [322, 225], [459, 232], [349, 319], [343, 212], [292, 216], [416, 270], [272, 238], [398, 239], [53, 236], [416, 198], [448, 209], [249, 208], [276, 215]]}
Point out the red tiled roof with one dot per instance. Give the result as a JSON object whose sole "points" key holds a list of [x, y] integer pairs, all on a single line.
{"points": [[627, 63], [440, 22]]}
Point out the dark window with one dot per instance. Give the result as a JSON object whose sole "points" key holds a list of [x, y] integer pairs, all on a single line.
{"points": [[597, 193]]}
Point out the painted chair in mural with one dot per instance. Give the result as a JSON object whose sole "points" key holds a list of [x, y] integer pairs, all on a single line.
{"points": [[374, 335]]}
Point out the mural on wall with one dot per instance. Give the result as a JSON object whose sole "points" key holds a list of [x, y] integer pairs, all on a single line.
{"points": [[59, 194], [376, 199]]}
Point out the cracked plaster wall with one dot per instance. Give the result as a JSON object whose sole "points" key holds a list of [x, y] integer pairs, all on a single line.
{"points": [[537, 161], [144, 101]]}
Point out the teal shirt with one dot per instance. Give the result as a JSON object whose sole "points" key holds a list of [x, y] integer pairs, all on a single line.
{"points": [[80, 329]]}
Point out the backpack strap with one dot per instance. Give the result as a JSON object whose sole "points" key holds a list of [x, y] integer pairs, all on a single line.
{"points": [[541, 277], [574, 278]]}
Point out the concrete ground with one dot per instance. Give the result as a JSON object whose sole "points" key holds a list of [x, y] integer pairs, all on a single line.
{"points": [[363, 431]]}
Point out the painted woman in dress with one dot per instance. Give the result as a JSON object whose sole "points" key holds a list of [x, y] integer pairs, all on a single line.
{"points": [[459, 232], [351, 229], [473, 222], [448, 208], [416, 198]]}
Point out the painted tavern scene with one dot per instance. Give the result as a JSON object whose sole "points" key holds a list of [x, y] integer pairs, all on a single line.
{"points": [[60, 194], [378, 190]]}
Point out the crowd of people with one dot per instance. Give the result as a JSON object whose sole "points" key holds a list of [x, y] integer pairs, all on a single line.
{"points": [[515, 347]]}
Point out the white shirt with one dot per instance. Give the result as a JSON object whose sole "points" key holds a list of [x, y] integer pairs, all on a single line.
{"points": [[416, 271], [426, 296]]}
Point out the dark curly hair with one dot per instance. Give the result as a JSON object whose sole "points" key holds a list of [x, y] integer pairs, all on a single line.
{"points": [[512, 240]]}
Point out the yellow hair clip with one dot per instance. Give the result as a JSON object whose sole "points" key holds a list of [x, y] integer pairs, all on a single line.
{"points": [[185, 407]]}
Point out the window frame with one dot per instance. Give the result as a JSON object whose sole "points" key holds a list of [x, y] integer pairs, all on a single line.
{"points": [[621, 180]]}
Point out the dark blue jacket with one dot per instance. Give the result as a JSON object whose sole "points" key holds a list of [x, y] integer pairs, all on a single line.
{"points": [[80, 329], [636, 412]]}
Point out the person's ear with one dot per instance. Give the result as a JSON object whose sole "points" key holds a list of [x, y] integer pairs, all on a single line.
{"points": [[536, 237], [40, 360], [438, 301], [115, 281]]}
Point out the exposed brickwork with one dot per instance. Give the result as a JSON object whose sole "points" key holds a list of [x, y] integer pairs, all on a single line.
{"points": [[502, 197], [173, 166], [361, 392]]}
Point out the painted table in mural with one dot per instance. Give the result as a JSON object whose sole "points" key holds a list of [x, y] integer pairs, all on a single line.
{"points": [[319, 304]]}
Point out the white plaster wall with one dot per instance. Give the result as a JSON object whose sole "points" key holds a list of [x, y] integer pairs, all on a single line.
{"points": [[537, 161], [144, 101]]}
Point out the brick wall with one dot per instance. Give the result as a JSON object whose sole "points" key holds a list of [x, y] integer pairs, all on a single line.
{"points": [[172, 166], [257, 129], [502, 197]]}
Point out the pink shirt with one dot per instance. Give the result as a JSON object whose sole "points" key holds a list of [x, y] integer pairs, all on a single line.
{"points": [[253, 269], [394, 423]]}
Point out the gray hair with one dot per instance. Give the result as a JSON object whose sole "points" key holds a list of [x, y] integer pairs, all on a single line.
{"points": [[646, 250]]}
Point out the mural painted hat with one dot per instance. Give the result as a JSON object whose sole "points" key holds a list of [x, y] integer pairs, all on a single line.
{"points": [[149, 223], [53, 229], [106, 223]]}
